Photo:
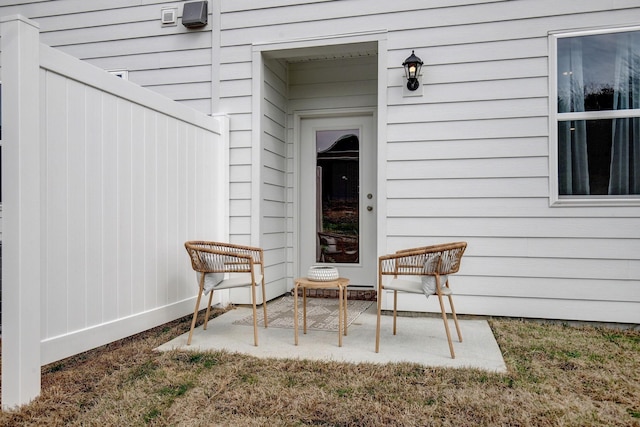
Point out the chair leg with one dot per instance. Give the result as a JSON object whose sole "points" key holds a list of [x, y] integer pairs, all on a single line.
{"points": [[255, 317], [395, 310], [195, 315], [206, 316], [379, 297], [295, 310], [264, 302], [446, 326], [455, 318]]}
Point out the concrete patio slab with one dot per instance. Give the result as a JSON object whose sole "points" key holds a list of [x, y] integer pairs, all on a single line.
{"points": [[420, 340]]}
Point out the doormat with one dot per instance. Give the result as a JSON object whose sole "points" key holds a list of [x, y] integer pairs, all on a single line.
{"points": [[322, 313]]}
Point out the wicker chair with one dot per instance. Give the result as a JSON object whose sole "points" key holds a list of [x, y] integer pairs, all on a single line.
{"points": [[432, 265], [214, 261], [338, 247]]}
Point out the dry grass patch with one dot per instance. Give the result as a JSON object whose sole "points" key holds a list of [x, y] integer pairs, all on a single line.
{"points": [[558, 375]]}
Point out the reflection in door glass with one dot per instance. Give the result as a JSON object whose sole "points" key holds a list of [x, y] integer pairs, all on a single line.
{"points": [[337, 195]]}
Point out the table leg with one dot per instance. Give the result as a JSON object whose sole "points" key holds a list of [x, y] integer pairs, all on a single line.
{"points": [[295, 312], [304, 309], [344, 305], [340, 315]]}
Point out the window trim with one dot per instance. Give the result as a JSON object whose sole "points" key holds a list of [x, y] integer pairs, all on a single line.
{"points": [[554, 117]]}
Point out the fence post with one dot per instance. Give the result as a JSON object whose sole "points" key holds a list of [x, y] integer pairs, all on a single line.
{"points": [[21, 210]]}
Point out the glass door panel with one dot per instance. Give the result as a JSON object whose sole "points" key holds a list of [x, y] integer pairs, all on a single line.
{"points": [[337, 195]]}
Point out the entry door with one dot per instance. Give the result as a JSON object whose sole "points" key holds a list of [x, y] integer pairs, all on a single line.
{"points": [[337, 198]]}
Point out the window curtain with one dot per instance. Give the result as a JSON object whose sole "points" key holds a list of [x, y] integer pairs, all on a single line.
{"points": [[625, 147], [573, 165]]}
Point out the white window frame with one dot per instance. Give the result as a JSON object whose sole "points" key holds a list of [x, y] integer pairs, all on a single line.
{"points": [[554, 197]]}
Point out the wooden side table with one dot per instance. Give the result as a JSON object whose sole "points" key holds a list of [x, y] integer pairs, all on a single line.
{"points": [[304, 283]]}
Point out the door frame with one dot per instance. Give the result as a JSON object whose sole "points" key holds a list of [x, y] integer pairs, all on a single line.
{"points": [[284, 49], [298, 117]]}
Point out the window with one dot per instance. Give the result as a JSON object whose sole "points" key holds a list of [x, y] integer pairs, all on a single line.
{"points": [[596, 117]]}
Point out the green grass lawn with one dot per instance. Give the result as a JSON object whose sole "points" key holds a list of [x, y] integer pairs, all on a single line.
{"points": [[558, 375]]}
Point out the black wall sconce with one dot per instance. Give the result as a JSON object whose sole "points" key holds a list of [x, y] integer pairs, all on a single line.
{"points": [[412, 66]]}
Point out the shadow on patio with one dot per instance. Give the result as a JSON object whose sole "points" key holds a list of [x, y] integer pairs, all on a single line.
{"points": [[420, 340]]}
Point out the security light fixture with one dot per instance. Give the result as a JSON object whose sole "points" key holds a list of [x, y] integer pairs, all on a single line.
{"points": [[412, 66]]}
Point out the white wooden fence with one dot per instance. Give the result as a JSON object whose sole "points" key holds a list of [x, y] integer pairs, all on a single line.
{"points": [[103, 181]]}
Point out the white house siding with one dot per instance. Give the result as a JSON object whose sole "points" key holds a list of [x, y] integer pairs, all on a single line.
{"points": [[468, 160], [128, 35], [273, 176], [271, 212]]}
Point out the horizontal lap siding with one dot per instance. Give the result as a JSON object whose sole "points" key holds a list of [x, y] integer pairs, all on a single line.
{"points": [[128, 35], [478, 171], [273, 232], [235, 99], [469, 159], [494, 207], [597, 228]]}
